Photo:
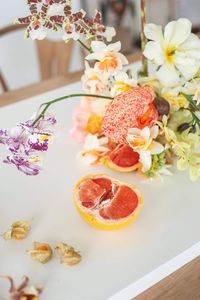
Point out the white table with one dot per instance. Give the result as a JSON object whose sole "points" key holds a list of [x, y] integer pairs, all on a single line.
{"points": [[116, 265]]}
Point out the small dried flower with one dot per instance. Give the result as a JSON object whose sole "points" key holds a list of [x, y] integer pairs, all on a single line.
{"points": [[41, 252], [23, 291], [68, 255], [18, 231]]}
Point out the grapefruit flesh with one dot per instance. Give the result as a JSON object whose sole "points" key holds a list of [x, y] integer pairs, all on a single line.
{"points": [[119, 206], [106, 203], [124, 156]]}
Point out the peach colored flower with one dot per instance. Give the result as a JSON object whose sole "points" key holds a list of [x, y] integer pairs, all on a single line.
{"points": [[80, 118]]}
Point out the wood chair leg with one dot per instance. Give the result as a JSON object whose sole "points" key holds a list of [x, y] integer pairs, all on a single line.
{"points": [[3, 83], [63, 54], [45, 49]]}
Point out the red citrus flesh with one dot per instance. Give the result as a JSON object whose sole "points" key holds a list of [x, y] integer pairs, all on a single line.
{"points": [[113, 201], [124, 156]]}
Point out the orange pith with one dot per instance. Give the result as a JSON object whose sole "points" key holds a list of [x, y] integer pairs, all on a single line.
{"points": [[107, 204]]}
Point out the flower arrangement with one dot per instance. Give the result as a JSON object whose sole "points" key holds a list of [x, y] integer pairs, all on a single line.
{"points": [[146, 123]]}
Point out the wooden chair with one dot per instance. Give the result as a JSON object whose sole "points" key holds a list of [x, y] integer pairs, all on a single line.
{"points": [[4, 31], [54, 56]]}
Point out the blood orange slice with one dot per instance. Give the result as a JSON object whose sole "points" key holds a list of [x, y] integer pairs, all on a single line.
{"points": [[123, 159], [106, 203]]}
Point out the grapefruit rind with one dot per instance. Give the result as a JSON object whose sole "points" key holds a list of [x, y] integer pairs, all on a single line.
{"points": [[97, 221], [111, 165]]}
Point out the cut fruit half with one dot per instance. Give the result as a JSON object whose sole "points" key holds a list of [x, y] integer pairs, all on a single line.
{"points": [[106, 203], [123, 159]]}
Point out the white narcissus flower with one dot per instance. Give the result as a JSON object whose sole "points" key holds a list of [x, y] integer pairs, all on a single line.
{"points": [[94, 81], [69, 32], [108, 57], [122, 83], [93, 148], [142, 142], [176, 52], [92, 142]]}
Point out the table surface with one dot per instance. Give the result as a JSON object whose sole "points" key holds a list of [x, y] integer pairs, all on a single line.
{"points": [[116, 265]]}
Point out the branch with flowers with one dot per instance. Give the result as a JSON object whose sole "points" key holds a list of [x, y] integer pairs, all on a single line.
{"points": [[146, 123]]}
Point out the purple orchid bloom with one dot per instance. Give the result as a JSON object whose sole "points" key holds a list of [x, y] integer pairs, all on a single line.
{"points": [[25, 141], [29, 166]]}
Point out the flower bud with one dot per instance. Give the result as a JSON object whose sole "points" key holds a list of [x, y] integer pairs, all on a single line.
{"points": [[162, 106]]}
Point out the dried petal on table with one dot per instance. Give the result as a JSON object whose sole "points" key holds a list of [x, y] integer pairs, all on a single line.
{"points": [[41, 252], [23, 291], [18, 231], [68, 255]]}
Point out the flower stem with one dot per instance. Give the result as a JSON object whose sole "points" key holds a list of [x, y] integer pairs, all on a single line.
{"points": [[48, 104], [196, 119], [84, 46], [190, 100], [144, 69]]}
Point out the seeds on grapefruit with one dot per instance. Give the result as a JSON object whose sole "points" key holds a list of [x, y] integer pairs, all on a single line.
{"points": [[106, 203], [123, 159]]}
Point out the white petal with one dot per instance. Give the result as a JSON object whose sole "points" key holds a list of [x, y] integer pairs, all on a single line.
{"points": [[176, 32], [157, 148], [154, 32], [122, 58], [146, 160], [134, 131], [38, 34], [153, 51], [145, 133], [168, 75], [103, 141], [98, 46], [116, 47], [154, 131], [109, 33], [187, 66], [121, 76], [95, 56], [191, 47]]}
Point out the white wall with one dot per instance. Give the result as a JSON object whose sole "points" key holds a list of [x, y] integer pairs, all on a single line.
{"points": [[18, 57]]}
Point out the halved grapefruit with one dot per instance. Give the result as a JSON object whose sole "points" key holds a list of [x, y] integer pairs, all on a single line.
{"points": [[106, 203], [122, 159]]}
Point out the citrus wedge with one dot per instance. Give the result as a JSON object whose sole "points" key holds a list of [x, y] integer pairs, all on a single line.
{"points": [[106, 203], [123, 159]]}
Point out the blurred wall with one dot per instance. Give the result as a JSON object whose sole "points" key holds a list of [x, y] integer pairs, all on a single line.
{"points": [[18, 57]]}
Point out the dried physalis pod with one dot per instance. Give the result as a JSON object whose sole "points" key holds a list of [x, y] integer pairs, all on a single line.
{"points": [[23, 291], [68, 256], [41, 252], [18, 231]]}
